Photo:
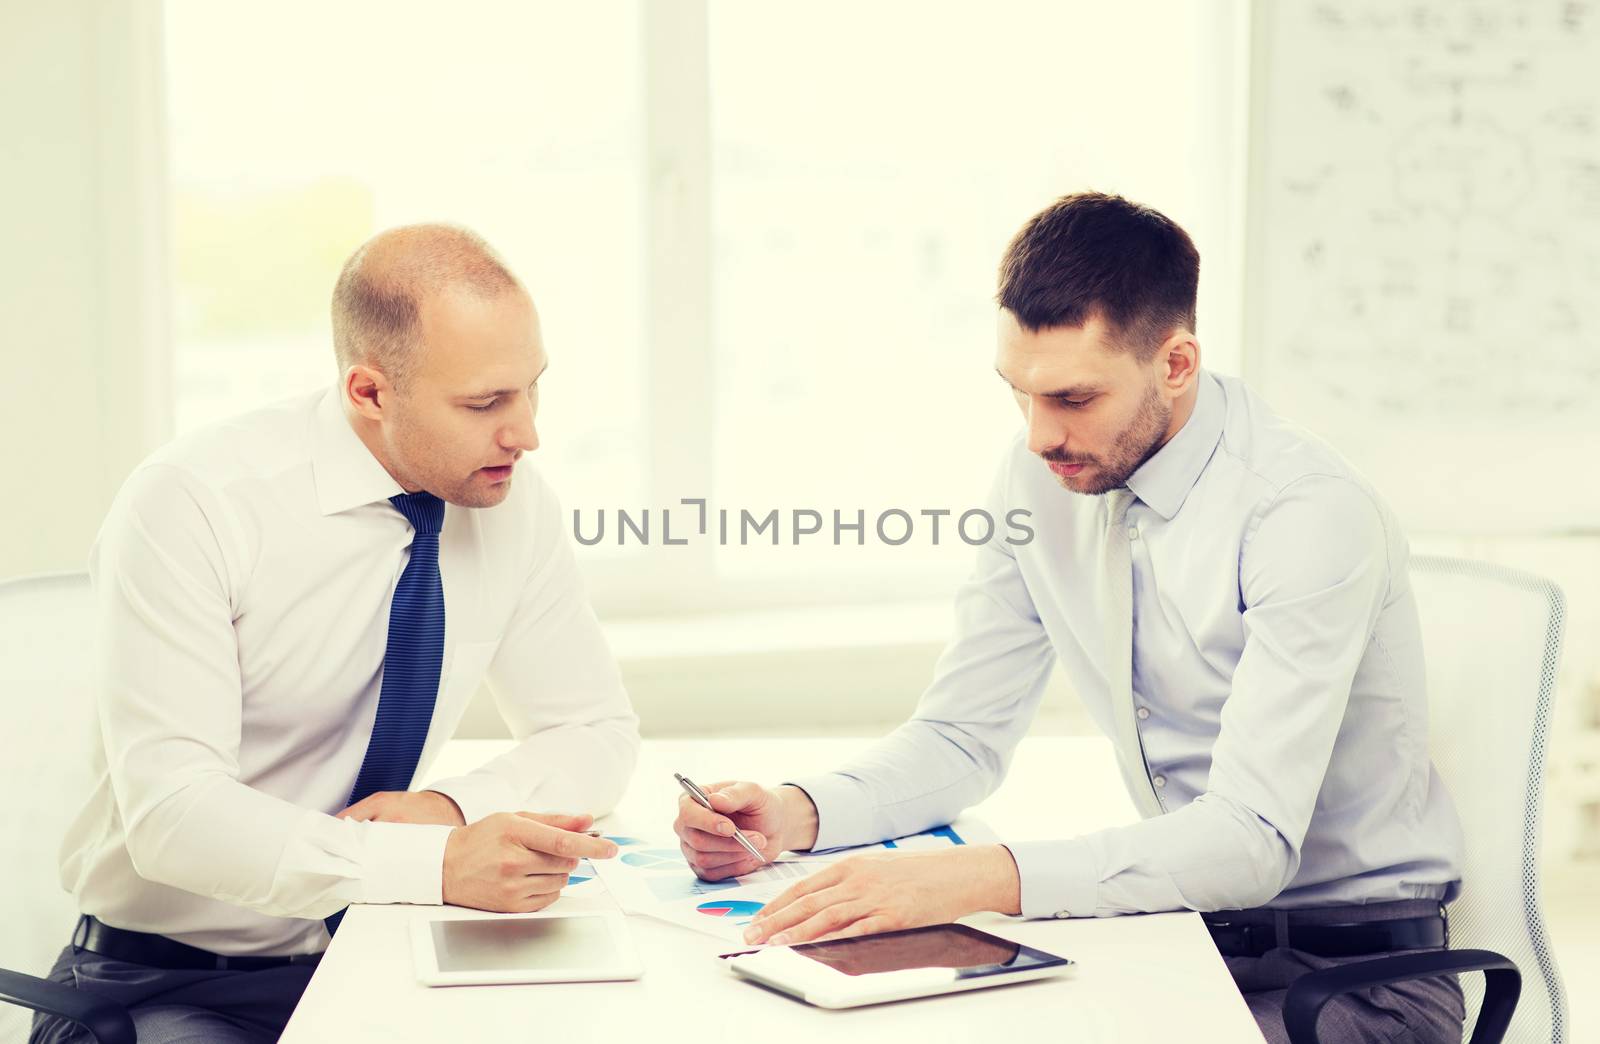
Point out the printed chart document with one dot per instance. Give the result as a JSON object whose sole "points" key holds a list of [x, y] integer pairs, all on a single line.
{"points": [[652, 878]]}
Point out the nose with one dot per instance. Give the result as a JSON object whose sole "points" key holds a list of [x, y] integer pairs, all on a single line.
{"points": [[520, 433], [1045, 430]]}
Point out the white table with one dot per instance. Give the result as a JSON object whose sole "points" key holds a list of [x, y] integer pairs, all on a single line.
{"points": [[1155, 977]]}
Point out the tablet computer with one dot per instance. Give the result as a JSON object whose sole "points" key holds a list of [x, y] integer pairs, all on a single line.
{"points": [[541, 947], [917, 962]]}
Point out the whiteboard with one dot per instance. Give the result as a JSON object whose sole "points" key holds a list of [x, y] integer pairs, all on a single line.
{"points": [[1423, 266]]}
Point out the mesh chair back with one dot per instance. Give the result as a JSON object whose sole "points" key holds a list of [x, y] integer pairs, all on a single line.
{"points": [[47, 766], [1493, 642]]}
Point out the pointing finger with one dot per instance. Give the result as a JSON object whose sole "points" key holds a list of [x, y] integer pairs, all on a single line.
{"points": [[538, 836]]}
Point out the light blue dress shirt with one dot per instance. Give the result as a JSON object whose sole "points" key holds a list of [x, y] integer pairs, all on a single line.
{"points": [[1277, 679]]}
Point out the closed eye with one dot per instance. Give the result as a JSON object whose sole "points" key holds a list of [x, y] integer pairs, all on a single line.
{"points": [[482, 407]]}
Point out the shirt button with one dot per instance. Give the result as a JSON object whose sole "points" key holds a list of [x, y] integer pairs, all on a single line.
{"points": [[1143, 712], [1159, 781], [1133, 532]]}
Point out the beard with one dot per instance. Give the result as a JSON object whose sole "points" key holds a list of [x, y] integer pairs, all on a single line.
{"points": [[1133, 445]]}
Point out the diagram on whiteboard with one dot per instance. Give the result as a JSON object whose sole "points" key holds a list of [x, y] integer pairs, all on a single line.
{"points": [[1426, 244]]}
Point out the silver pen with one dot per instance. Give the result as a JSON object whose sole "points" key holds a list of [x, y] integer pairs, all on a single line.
{"points": [[700, 799]]}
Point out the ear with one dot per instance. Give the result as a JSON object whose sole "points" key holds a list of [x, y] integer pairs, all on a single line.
{"points": [[1178, 362], [367, 391]]}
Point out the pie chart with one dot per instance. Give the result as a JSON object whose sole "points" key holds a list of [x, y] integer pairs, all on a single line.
{"points": [[655, 859], [740, 910]]}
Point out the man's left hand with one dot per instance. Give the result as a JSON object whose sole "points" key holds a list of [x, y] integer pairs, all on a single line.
{"points": [[885, 892], [391, 806]]}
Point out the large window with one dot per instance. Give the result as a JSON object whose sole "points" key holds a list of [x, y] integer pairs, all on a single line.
{"points": [[763, 238], [338, 120], [869, 164]]}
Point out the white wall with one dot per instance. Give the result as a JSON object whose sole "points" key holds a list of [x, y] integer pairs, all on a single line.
{"points": [[83, 296]]}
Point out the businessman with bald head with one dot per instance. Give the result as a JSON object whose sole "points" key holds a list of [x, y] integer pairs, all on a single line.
{"points": [[294, 607]]}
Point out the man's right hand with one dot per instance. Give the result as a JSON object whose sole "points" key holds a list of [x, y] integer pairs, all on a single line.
{"points": [[774, 820], [517, 862]]}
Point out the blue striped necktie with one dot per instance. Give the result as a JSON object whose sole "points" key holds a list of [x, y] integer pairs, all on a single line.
{"points": [[411, 661]]}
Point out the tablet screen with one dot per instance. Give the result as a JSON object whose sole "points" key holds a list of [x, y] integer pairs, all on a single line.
{"points": [[966, 950], [525, 944]]}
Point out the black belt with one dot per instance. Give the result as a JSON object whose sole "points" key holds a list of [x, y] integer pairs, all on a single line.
{"points": [[1346, 931], [157, 951]]}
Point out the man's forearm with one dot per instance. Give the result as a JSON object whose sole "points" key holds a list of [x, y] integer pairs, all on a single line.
{"points": [[570, 768], [289, 861], [995, 884], [986, 874], [799, 819]]}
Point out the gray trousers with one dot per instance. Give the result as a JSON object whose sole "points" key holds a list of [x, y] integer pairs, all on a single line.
{"points": [[1426, 1011], [180, 1007]]}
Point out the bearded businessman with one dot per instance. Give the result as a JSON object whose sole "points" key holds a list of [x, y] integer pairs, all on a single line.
{"points": [[1230, 600], [294, 607]]}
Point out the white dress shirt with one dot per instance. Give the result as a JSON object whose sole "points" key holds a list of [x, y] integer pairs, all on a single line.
{"points": [[243, 579], [1280, 702]]}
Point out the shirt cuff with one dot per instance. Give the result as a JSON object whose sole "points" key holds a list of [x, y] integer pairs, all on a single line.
{"points": [[404, 863], [844, 816], [1057, 878], [478, 794]]}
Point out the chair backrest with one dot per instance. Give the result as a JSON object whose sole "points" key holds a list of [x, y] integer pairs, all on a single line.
{"points": [[1492, 640], [46, 764]]}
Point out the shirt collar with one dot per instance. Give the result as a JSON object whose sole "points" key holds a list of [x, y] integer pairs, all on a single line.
{"points": [[1164, 481], [346, 473]]}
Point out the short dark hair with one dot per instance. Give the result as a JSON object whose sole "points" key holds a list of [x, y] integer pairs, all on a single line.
{"points": [[1091, 254]]}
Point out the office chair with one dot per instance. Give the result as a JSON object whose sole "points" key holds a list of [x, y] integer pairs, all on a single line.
{"points": [[1492, 641], [46, 770]]}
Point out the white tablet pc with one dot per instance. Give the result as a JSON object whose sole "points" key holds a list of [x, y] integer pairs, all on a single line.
{"points": [[541, 947], [918, 962]]}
